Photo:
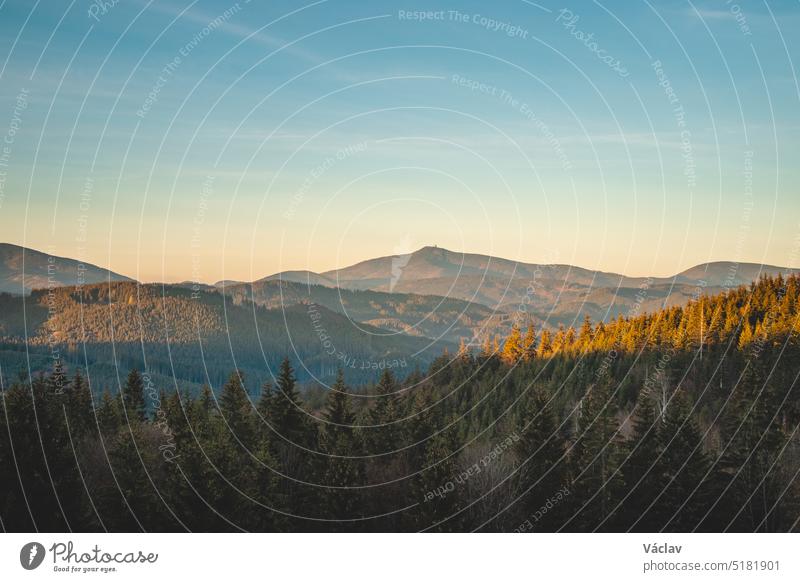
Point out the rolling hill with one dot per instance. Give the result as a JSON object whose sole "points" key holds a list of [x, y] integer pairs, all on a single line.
{"points": [[194, 338], [23, 269], [552, 293], [429, 316]]}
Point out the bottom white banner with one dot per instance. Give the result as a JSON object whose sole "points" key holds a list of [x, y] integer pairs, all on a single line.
{"points": [[355, 557]]}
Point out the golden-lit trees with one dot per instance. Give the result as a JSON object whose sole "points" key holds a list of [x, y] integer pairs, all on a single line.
{"points": [[512, 348]]}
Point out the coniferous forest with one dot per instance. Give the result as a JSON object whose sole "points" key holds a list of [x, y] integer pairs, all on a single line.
{"points": [[684, 419]]}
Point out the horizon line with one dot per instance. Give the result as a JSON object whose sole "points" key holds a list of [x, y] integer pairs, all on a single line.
{"points": [[491, 257]]}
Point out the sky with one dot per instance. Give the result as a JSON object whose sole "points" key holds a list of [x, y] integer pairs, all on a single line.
{"points": [[203, 140]]}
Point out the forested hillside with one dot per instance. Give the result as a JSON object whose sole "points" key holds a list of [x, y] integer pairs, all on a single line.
{"points": [[189, 338], [680, 420], [430, 316]]}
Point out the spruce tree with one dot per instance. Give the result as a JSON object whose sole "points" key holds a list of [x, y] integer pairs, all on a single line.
{"points": [[384, 434], [340, 417], [596, 457], [512, 348], [286, 414], [440, 494], [236, 409], [642, 468], [545, 348], [133, 397], [749, 471], [80, 409], [585, 333], [339, 443], [291, 434], [542, 468], [529, 344], [685, 465], [108, 415]]}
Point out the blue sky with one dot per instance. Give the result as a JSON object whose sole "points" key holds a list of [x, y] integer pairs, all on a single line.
{"points": [[207, 140]]}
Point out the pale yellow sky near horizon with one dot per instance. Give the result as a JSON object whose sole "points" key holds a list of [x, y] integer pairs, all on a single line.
{"points": [[240, 269]]}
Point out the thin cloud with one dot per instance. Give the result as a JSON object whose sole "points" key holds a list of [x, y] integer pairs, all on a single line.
{"points": [[253, 35]]}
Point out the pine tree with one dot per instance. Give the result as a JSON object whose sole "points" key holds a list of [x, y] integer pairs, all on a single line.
{"points": [[754, 439], [585, 333], [464, 356], [746, 336], [292, 434], [286, 413], [47, 491], [596, 457], [80, 408], [384, 434], [545, 348], [132, 494], [424, 416], [383, 437], [559, 339], [440, 470], [642, 469], [529, 344], [108, 415], [339, 442], [542, 471], [133, 397], [236, 410], [685, 466], [340, 417], [512, 348]]}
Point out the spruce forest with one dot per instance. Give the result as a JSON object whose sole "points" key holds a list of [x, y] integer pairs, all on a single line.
{"points": [[682, 419]]}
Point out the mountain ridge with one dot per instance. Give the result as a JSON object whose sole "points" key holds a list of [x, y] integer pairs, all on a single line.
{"points": [[12, 253], [375, 268], [555, 293], [546, 294], [23, 269]]}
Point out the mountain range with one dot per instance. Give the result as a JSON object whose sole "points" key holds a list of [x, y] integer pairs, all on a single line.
{"points": [[551, 293], [23, 269], [401, 308]]}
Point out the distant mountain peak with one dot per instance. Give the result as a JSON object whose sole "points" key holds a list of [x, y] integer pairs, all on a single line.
{"points": [[23, 269], [433, 249]]}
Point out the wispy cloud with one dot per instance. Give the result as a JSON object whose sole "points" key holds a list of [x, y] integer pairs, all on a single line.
{"points": [[259, 36]]}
